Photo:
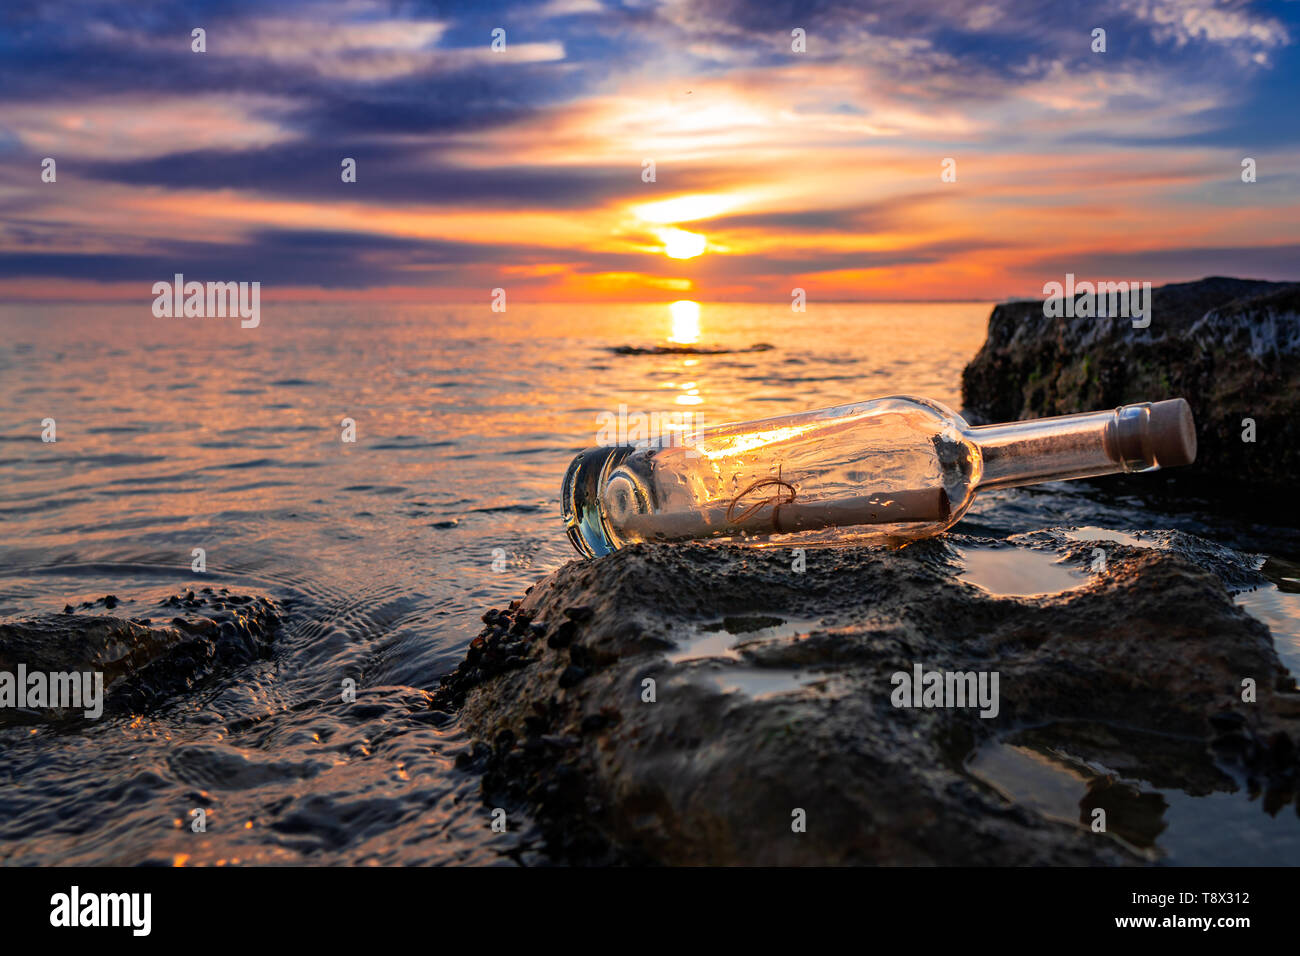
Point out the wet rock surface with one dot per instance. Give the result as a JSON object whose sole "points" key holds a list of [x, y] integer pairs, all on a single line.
{"points": [[1229, 346], [148, 654], [772, 695]]}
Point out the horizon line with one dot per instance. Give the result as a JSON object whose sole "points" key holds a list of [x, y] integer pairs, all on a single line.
{"points": [[477, 302]]}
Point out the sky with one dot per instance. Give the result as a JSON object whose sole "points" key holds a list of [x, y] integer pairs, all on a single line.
{"points": [[704, 149]]}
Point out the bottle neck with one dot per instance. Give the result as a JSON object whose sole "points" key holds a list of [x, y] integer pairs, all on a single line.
{"points": [[1066, 446]]}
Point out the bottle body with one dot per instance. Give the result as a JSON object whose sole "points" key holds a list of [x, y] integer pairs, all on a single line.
{"points": [[884, 471]]}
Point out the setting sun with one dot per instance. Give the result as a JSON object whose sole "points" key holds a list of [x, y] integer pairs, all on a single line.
{"points": [[680, 244]]}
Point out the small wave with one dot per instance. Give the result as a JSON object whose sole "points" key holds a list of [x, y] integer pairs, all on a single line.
{"points": [[508, 509], [797, 379], [534, 450], [109, 460], [399, 444], [237, 465], [687, 349], [261, 463], [46, 504]]}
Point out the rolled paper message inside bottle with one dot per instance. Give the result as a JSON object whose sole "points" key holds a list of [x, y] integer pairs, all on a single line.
{"points": [[889, 470], [790, 517]]}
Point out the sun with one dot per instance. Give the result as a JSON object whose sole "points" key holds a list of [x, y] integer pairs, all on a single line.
{"points": [[680, 244]]}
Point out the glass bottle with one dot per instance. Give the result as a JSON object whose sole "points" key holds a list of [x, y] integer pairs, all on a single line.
{"points": [[885, 471]]}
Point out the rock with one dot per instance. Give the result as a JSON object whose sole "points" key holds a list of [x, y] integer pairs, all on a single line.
{"points": [[144, 664], [688, 349], [1134, 674], [1231, 347]]}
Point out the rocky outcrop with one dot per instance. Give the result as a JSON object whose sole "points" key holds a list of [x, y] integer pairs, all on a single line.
{"points": [[1231, 347], [158, 652], [700, 705]]}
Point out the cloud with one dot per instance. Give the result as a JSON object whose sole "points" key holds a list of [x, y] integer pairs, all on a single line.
{"points": [[825, 162], [845, 219], [121, 128], [1183, 22], [325, 259], [1276, 262], [388, 172]]}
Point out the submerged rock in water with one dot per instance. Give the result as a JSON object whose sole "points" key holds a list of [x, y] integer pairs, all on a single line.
{"points": [[688, 349], [1231, 347], [159, 651], [703, 705]]}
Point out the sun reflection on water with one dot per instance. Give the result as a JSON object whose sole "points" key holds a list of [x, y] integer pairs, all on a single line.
{"points": [[686, 322]]}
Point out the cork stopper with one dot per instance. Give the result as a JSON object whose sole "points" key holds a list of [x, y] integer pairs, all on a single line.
{"points": [[1172, 433], [1153, 435]]}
